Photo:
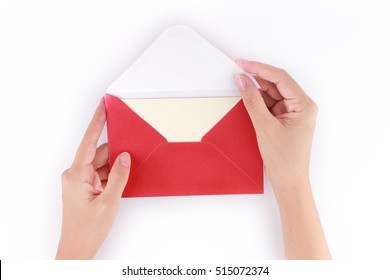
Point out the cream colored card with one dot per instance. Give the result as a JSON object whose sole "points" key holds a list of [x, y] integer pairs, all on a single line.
{"points": [[182, 119]]}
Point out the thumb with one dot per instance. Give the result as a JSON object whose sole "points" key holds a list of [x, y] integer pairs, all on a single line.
{"points": [[254, 102], [117, 179]]}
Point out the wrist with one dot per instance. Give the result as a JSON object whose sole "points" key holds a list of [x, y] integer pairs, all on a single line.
{"points": [[285, 184], [69, 249], [293, 193]]}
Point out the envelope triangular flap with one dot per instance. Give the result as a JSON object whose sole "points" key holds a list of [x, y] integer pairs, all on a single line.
{"points": [[179, 64]]}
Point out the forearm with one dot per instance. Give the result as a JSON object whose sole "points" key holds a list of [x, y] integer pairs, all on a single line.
{"points": [[302, 231]]}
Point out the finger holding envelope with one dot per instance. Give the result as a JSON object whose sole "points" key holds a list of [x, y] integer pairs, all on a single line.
{"points": [[96, 159], [100, 163], [277, 82], [87, 150], [280, 92]]}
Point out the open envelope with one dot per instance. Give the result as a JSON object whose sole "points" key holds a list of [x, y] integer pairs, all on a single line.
{"points": [[177, 111]]}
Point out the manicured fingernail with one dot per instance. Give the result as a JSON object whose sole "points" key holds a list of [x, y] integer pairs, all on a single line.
{"points": [[241, 82], [124, 159], [240, 61], [101, 103]]}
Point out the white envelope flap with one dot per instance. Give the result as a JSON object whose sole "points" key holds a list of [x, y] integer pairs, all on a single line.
{"points": [[181, 85], [179, 64]]}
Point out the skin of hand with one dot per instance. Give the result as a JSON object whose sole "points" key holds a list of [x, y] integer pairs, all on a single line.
{"points": [[284, 119], [91, 194]]}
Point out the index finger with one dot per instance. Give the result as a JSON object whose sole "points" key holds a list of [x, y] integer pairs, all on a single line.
{"points": [[87, 149], [286, 85]]}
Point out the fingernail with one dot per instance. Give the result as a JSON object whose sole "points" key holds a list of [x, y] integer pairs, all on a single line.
{"points": [[240, 61], [124, 159], [241, 82], [101, 103]]}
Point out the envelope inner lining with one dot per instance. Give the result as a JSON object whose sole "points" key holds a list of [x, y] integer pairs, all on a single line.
{"points": [[182, 119]]}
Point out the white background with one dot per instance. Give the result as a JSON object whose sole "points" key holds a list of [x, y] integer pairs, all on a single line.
{"points": [[58, 57]]}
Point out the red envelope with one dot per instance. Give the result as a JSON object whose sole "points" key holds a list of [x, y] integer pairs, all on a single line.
{"points": [[225, 161]]}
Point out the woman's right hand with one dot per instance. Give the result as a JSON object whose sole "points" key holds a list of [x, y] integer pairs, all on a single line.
{"points": [[284, 119]]}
